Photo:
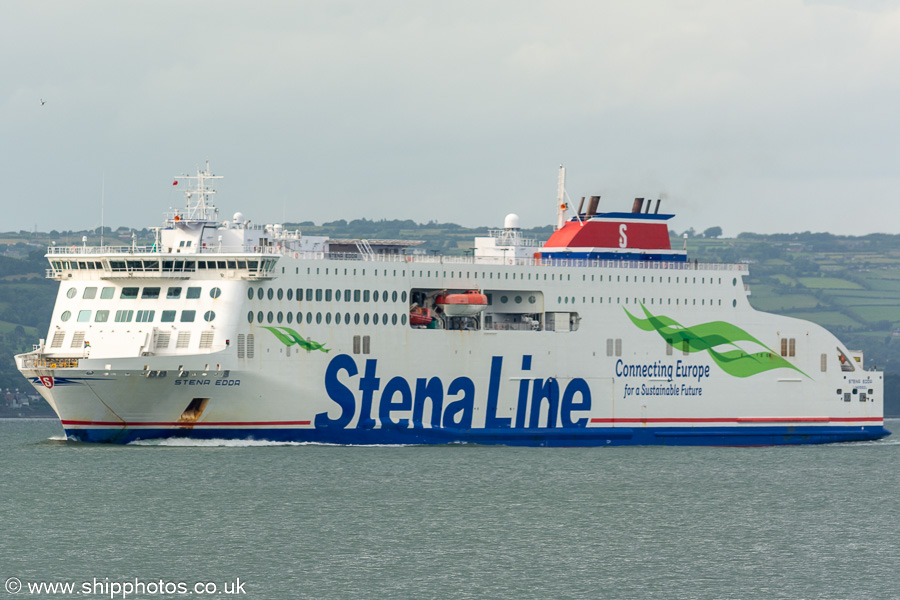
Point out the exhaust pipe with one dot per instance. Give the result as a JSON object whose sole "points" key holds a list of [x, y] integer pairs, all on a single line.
{"points": [[638, 204]]}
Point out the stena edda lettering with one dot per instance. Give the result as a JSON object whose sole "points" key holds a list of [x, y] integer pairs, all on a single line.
{"points": [[397, 403]]}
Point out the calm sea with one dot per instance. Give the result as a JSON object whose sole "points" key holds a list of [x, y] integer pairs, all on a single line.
{"points": [[306, 521]]}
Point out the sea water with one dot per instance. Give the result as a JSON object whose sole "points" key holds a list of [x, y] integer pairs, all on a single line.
{"points": [[281, 521]]}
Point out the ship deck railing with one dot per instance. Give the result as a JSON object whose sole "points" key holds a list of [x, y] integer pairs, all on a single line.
{"points": [[183, 259]]}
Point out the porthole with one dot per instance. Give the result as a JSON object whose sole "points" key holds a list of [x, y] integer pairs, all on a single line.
{"points": [[280, 294], [289, 317], [66, 315], [365, 318], [250, 293], [532, 299], [394, 296], [259, 317], [328, 318], [734, 303], [71, 293], [309, 317], [337, 318], [356, 319], [259, 293], [374, 295], [290, 295], [318, 318], [250, 317], [403, 296], [299, 317], [403, 319], [384, 296], [215, 293], [347, 318], [209, 316], [279, 317], [337, 295], [375, 319], [518, 299], [384, 318], [734, 281], [504, 299], [270, 316], [270, 294]]}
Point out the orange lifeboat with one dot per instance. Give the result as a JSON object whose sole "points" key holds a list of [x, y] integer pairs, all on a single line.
{"points": [[467, 304], [420, 317]]}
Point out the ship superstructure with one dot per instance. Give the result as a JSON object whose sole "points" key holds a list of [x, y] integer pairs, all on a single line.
{"points": [[603, 335]]}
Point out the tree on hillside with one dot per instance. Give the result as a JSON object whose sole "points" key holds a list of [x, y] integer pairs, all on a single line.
{"points": [[713, 232]]}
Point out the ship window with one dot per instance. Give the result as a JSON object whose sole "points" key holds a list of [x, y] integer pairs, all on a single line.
{"points": [[124, 316], [384, 296], [823, 360], [328, 293], [365, 295], [167, 316], [260, 293], [609, 346], [375, 319], [249, 293], [145, 316], [299, 294], [328, 318], [403, 319], [65, 316], [259, 316], [249, 318], [318, 317], [309, 317], [618, 346], [784, 347], [375, 296], [792, 346], [232, 264], [519, 299], [734, 281], [356, 344], [193, 293], [393, 319], [84, 316], [403, 296], [280, 294], [337, 295], [337, 318], [356, 318], [210, 316], [216, 292], [290, 294], [279, 317], [101, 316], [129, 293], [347, 318], [71, 293], [187, 316], [270, 294], [150, 293], [289, 316], [89, 293], [270, 316], [505, 299], [366, 340], [309, 294]]}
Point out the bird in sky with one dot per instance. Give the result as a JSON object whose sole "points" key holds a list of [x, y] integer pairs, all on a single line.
{"points": [[43, 102]]}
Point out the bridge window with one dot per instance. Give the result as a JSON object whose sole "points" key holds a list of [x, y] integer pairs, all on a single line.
{"points": [[107, 293], [84, 316], [101, 316], [167, 316], [124, 316], [129, 293], [145, 316], [187, 316], [193, 293], [150, 293], [89, 293], [216, 292]]}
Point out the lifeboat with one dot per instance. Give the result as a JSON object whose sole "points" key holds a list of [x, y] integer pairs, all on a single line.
{"points": [[420, 317], [467, 304]]}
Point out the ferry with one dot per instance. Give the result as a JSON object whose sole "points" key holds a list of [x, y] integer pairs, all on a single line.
{"points": [[602, 335]]}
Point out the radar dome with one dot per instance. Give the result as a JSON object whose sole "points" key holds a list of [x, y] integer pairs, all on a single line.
{"points": [[238, 218], [511, 221]]}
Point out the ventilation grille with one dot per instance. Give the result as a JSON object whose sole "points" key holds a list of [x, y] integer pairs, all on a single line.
{"points": [[162, 339], [58, 338], [184, 339], [206, 339], [77, 340], [250, 345], [242, 343]]}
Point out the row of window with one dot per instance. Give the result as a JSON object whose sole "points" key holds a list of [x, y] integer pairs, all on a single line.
{"points": [[328, 318], [163, 340], [177, 266], [147, 293], [326, 294], [143, 316]]}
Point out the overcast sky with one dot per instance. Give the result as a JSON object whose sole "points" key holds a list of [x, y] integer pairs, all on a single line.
{"points": [[753, 115]]}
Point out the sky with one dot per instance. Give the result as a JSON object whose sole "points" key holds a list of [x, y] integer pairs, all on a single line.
{"points": [[770, 116]]}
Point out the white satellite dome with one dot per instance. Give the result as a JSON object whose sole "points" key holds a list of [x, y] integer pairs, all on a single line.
{"points": [[238, 218], [511, 221]]}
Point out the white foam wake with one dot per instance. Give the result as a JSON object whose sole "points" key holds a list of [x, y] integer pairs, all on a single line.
{"points": [[213, 443]]}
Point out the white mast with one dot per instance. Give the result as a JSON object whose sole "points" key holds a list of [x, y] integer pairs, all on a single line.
{"points": [[561, 199]]}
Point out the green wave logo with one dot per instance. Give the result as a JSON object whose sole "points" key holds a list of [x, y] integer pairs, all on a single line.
{"points": [[289, 337], [709, 336]]}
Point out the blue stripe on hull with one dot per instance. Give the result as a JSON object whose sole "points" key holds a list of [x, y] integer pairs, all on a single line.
{"points": [[619, 436]]}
